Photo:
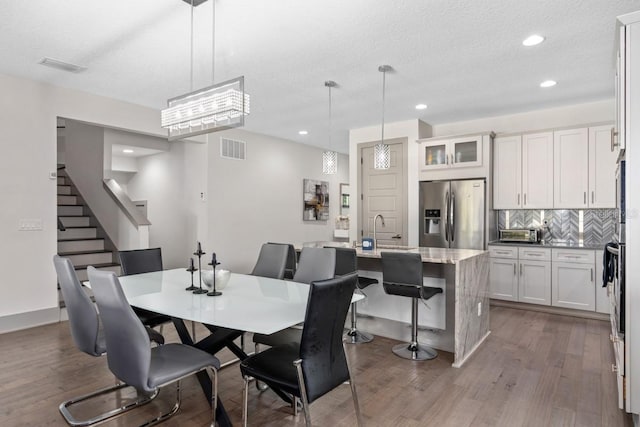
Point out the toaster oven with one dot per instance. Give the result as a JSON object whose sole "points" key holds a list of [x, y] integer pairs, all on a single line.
{"points": [[521, 235]]}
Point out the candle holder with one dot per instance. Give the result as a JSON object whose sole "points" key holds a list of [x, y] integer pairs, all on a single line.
{"points": [[191, 270], [199, 252], [214, 262]]}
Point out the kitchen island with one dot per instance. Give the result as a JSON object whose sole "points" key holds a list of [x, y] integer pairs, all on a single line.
{"points": [[456, 321]]}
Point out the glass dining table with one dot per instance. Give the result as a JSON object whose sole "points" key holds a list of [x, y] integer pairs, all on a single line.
{"points": [[247, 304]]}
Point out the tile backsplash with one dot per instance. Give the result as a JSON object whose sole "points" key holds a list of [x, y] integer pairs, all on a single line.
{"points": [[591, 226]]}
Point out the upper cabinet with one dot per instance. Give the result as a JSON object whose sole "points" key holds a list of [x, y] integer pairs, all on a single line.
{"points": [[451, 153], [523, 171], [584, 170]]}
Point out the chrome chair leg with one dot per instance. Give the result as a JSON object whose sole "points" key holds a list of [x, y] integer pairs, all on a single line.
{"points": [[354, 394], [354, 336], [245, 401], [303, 392], [214, 396], [413, 350]]}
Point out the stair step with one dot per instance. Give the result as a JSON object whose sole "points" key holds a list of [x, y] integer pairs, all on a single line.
{"points": [[80, 245], [75, 221], [67, 200], [75, 233], [89, 258], [70, 210], [61, 180], [64, 190], [81, 270]]}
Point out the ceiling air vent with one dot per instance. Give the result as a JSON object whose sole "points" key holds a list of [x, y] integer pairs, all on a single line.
{"points": [[232, 149]]}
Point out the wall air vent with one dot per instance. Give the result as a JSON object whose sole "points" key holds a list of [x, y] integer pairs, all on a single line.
{"points": [[61, 65], [232, 149]]}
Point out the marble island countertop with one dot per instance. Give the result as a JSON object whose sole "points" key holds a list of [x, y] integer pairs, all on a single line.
{"points": [[562, 245]]}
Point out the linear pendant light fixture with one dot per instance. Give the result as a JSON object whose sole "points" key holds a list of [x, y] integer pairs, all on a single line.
{"points": [[210, 109], [330, 157], [382, 151]]}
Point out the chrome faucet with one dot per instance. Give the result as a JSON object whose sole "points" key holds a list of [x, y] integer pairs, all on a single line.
{"points": [[375, 238]]}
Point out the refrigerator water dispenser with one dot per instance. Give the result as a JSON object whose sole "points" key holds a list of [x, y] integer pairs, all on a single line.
{"points": [[432, 221]]}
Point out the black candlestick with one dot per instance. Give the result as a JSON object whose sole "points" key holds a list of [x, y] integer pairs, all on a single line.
{"points": [[191, 270], [213, 263], [199, 254]]}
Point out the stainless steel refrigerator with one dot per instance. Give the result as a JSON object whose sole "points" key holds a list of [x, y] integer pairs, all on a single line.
{"points": [[452, 214]]}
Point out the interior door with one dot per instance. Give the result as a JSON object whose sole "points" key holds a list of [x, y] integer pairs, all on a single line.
{"points": [[467, 214], [384, 192]]}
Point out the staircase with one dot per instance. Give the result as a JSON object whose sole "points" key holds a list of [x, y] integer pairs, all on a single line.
{"points": [[82, 240]]}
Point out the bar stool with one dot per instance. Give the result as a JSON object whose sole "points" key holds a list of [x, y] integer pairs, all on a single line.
{"points": [[347, 262], [402, 276]]}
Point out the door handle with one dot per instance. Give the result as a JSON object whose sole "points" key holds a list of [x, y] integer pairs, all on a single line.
{"points": [[446, 216], [452, 210], [397, 236]]}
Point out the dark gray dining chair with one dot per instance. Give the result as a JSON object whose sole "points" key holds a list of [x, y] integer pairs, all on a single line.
{"points": [[132, 360], [292, 260], [272, 261], [318, 364], [88, 336], [315, 264], [402, 276]]}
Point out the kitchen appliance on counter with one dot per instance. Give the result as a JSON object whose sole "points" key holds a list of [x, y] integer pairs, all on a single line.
{"points": [[452, 214], [520, 235]]}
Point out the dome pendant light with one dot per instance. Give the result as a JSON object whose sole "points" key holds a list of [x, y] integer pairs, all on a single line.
{"points": [[382, 151], [330, 157]]}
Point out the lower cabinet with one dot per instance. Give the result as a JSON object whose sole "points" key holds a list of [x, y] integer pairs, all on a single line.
{"points": [[560, 277]]}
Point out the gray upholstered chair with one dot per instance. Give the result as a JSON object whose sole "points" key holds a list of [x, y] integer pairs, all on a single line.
{"points": [[272, 261], [402, 276], [315, 264], [88, 336], [292, 260], [316, 365], [132, 360]]}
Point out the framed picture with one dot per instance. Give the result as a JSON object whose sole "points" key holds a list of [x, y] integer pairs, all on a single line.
{"points": [[315, 200]]}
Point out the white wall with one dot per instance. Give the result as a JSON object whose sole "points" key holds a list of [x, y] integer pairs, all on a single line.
{"points": [[28, 281], [259, 199]]}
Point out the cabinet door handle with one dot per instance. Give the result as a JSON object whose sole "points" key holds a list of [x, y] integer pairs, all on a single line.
{"points": [[514, 268], [520, 269], [592, 196], [518, 199], [446, 156], [585, 198], [592, 274], [525, 199], [534, 254]]}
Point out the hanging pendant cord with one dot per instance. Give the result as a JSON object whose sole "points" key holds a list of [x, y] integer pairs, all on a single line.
{"points": [[384, 74], [330, 144], [213, 41], [191, 81]]}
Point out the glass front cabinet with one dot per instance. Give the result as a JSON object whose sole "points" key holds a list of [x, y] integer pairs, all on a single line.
{"points": [[451, 153]]}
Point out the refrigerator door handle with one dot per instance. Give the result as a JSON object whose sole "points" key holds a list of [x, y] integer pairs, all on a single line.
{"points": [[452, 210], [446, 216]]}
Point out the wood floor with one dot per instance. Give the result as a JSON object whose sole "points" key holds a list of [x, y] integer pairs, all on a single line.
{"points": [[535, 369]]}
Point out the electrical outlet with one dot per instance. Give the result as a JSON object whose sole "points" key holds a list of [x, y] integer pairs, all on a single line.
{"points": [[203, 196], [479, 309], [31, 224]]}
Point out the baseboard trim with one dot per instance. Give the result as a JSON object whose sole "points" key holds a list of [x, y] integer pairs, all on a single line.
{"points": [[552, 310], [16, 322]]}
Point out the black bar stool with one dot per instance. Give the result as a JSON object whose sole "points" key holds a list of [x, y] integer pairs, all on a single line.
{"points": [[402, 276]]}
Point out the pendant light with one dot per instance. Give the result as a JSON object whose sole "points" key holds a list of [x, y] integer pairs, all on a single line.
{"points": [[330, 157], [381, 151], [217, 107]]}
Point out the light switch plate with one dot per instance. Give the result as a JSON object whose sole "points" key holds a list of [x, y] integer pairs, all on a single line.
{"points": [[53, 175]]}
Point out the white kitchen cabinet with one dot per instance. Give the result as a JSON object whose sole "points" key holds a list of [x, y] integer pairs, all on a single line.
{"points": [[523, 171], [507, 172], [573, 279], [584, 168], [503, 279], [451, 153], [602, 296], [521, 274], [602, 166], [571, 168]]}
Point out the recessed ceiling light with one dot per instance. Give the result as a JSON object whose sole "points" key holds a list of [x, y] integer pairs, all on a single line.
{"points": [[421, 107], [548, 83], [127, 150], [303, 132], [533, 40]]}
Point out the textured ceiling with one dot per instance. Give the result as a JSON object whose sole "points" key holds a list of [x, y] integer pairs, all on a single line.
{"points": [[463, 58]]}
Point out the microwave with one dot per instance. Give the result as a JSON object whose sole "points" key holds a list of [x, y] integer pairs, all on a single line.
{"points": [[520, 235]]}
